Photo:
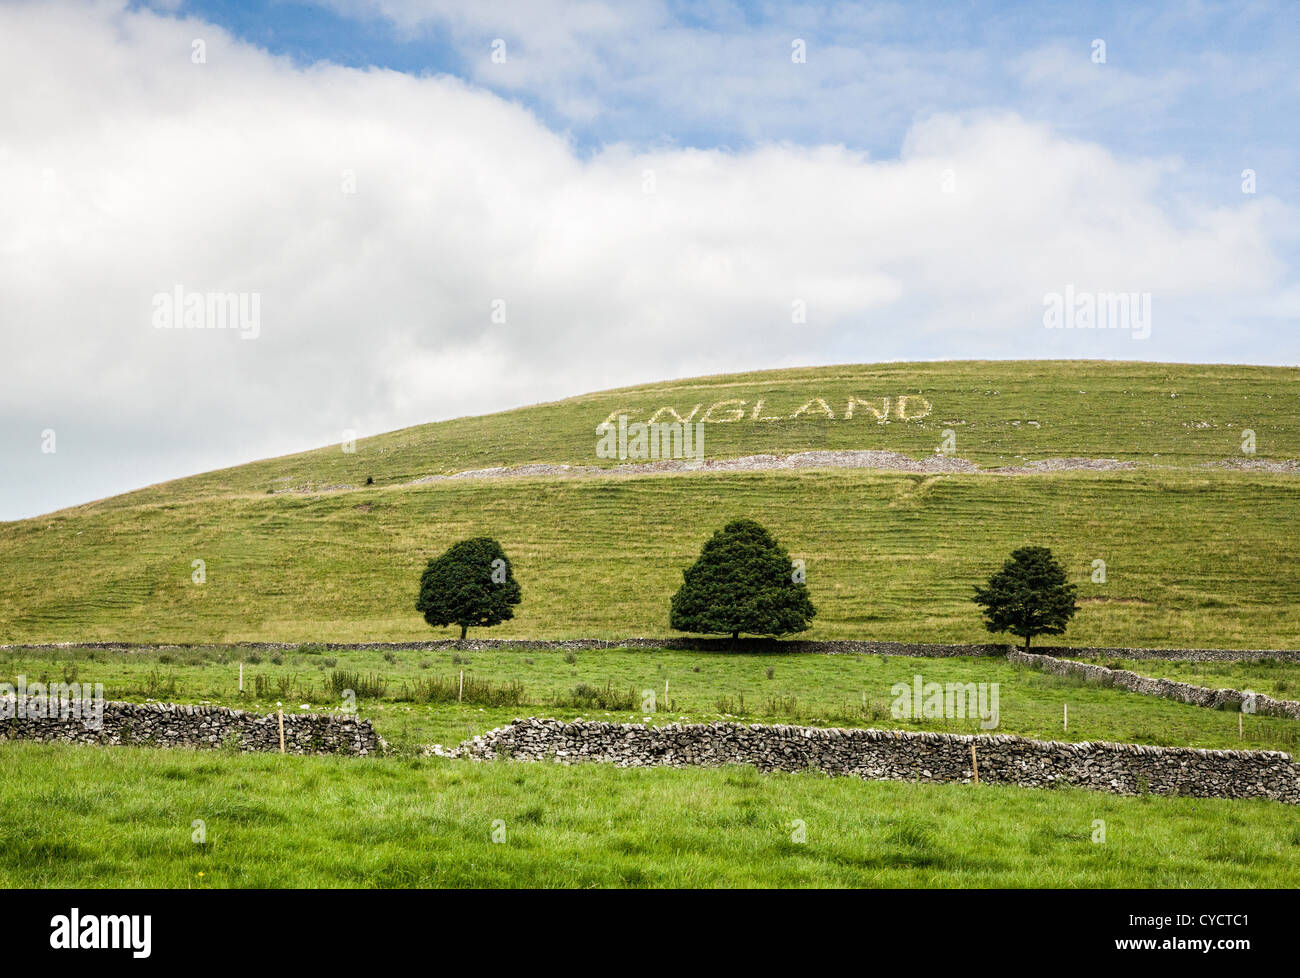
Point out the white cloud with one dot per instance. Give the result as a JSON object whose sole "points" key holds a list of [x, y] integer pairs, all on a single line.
{"points": [[128, 169]]}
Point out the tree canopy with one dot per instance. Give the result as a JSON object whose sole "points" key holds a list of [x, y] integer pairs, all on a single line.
{"points": [[743, 581], [1029, 596], [472, 584]]}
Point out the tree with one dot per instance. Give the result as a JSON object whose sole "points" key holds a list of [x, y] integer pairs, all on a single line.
{"points": [[742, 582], [1029, 596], [471, 584]]}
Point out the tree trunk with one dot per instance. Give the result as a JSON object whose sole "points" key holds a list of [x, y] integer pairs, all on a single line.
{"points": [[1026, 643], [463, 630], [735, 636]]}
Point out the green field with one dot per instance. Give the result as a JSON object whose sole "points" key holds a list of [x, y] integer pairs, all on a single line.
{"points": [[410, 695], [82, 816], [1200, 560], [1194, 556]]}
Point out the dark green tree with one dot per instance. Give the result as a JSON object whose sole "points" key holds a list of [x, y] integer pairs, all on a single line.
{"points": [[742, 582], [471, 584], [1029, 596]]}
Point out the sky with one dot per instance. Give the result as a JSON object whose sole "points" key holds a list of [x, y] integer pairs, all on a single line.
{"points": [[236, 230]]}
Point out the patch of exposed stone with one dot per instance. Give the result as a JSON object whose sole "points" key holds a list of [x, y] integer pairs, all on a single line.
{"points": [[1067, 465], [1170, 689], [189, 725], [842, 459], [846, 459], [892, 755], [884, 461], [1288, 466]]}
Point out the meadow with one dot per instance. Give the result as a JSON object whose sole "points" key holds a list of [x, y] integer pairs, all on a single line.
{"points": [[415, 697], [82, 816]]}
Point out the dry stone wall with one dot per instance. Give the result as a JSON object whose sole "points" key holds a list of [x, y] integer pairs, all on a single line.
{"points": [[1171, 689], [721, 645], [1191, 655], [199, 726], [890, 755]]}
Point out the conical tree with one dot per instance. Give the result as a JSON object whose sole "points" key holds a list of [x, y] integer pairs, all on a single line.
{"points": [[470, 584], [1029, 596], [742, 582]]}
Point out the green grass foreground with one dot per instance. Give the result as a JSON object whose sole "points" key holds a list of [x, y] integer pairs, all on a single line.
{"points": [[410, 694], [124, 817]]}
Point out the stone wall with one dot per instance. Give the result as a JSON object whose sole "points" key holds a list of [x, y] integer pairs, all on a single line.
{"points": [[720, 645], [886, 755], [1191, 655], [174, 725], [1171, 689]]}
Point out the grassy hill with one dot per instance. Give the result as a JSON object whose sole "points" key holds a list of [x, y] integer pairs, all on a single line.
{"points": [[1194, 556], [1001, 412]]}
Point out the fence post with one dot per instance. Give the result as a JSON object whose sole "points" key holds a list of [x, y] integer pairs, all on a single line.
{"points": [[280, 713], [974, 762]]}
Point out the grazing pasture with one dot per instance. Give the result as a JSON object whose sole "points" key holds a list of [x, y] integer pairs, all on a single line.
{"points": [[82, 816]]}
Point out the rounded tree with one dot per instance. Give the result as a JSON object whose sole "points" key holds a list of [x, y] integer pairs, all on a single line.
{"points": [[1029, 596], [742, 582], [470, 584]]}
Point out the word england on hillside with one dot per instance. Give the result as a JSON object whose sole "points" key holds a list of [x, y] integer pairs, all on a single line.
{"points": [[905, 407]]}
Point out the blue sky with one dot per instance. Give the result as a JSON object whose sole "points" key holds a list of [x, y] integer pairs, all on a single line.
{"points": [[1213, 84], [650, 189]]}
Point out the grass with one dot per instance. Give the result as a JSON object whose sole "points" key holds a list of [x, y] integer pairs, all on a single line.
{"points": [[1192, 559], [411, 695], [125, 817]]}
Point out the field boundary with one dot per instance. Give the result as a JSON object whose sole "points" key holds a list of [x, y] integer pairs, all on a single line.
{"points": [[895, 755], [113, 723], [717, 645], [1171, 689]]}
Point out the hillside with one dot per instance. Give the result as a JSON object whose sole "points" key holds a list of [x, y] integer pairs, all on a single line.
{"points": [[1195, 555], [1001, 412]]}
